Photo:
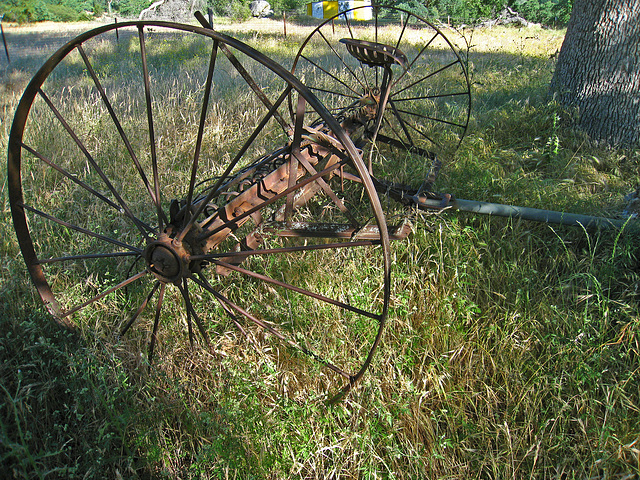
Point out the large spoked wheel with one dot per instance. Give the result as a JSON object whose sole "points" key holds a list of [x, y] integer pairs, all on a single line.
{"points": [[157, 180], [399, 77]]}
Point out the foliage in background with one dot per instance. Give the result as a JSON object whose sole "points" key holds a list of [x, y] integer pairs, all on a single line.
{"points": [[548, 12]]}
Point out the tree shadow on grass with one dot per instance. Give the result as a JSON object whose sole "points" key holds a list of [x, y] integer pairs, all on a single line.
{"points": [[70, 410]]}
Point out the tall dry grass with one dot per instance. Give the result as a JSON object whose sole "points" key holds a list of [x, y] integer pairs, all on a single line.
{"points": [[511, 349]]}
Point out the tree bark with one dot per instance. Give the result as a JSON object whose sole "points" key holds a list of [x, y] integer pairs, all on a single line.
{"points": [[598, 69]]}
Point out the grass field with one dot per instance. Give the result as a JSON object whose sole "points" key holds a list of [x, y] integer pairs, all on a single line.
{"points": [[511, 348]]}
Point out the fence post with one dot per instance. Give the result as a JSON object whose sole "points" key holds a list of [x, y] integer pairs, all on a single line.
{"points": [[115, 20], [210, 14], [4, 40], [284, 23]]}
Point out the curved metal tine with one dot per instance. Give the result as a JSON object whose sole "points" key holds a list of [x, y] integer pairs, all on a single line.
{"points": [[293, 158], [135, 316], [272, 330], [299, 290], [93, 163], [414, 60], [114, 117], [80, 229], [441, 69], [203, 117], [353, 74], [156, 322], [207, 221], [122, 284], [187, 300], [88, 256], [234, 162], [240, 176], [325, 71], [274, 199], [330, 193], [152, 137]]}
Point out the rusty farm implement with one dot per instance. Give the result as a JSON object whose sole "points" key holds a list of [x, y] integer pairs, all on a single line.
{"points": [[172, 173]]}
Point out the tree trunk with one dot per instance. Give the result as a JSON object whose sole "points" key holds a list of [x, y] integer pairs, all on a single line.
{"points": [[598, 69]]}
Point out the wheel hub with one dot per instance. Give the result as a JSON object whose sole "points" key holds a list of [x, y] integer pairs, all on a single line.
{"points": [[167, 259]]}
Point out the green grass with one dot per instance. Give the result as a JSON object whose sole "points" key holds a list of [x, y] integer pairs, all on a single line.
{"points": [[511, 349]]}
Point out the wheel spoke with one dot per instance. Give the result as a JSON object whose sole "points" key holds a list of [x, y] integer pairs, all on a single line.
{"points": [[156, 322], [353, 74], [105, 293], [152, 137], [332, 92], [426, 77], [401, 122], [203, 117], [294, 249], [224, 306], [234, 162], [116, 122], [433, 119], [254, 86], [355, 93], [190, 310], [404, 27], [93, 163], [426, 97], [142, 306], [88, 256], [424, 135], [80, 229], [82, 184], [422, 50], [302, 291], [273, 331]]}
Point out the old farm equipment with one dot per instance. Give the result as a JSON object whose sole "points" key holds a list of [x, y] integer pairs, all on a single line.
{"points": [[174, 174]]}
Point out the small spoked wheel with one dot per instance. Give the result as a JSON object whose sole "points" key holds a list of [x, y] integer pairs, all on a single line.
{"points": [[398, 78], [157, 179]]}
